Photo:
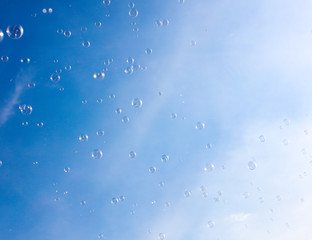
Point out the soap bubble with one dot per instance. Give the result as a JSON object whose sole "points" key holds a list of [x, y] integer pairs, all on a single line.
{"points": [[132, 154], [181, 1], [67, 169], [44, 10], [187, 193], [174, 115], [129, 70], [161, 184], [98, 24], [148, 51], [209, 145], [83, 138], [97, 154], [25, 109], [137, 103], [59, 31], [161, 236], [67, 67], [86, 44], [106, 2], [262, 138], [165, 22], [67, 33], [133, 12], [210, 224], [130, 60], [125, 119], [114, 200], [112, 96], [100, 133], [99, 75], [84, 101], [164, 158], [4, 58], [82, 203], [83, 29], [193, 43], [99, 100], [200, 125], [252, 165], [40, 124], [118, 110], [50, 10], [159, 23], [15, 31], [209, 167], [1, 163], [1, 35], [55, 77], [25, 60], [152, 169], [131, 5]]}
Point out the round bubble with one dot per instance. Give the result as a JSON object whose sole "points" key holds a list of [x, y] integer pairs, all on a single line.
{"points": [[161, 184], [100, 133], [99, 75], [252, 165], [15, 31], [200, 125], [84, 101], [97, 154], [164, 158], [187, 193], [67, 169], [86, 44], [129, 70], [25, 60], [132, 154], [67, 67], [112, 96], [118, 110], [210, 224], [55, 77], [131, 5], [152, 169], [262, 138], [161, 236], [130, 60], [114, 200], [165, 22], [67, 33], [82, 203], [174, 115], [209, 167], [125, 119], [159, 23], [4, 58], [1, 35], [59, 31], [106, 2], [40, 124], [209, 145], [25, 109], [83, 138], [137, 103], [98, 24], [83, 29], [148, 51], [133, 12], [99, 100]]}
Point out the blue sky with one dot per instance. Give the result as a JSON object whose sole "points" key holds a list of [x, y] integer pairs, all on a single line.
{"points": [[242, 68]]}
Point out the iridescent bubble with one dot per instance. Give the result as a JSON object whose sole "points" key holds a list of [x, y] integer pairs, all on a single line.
{"points": [[118, 110], [67, 169], [98, 24], [114, 201], [1, 35], [210, 224], [209, 167], [67, 67], [106, 2], [133, 12], [130, 60], [129, 70], [97, 154], [99, 75], [44, 10], [174, 115], [4, 58], [40, 124], [86, 44], [165, 22], [67, 33], [25, 109], [152, 169], [131, 5], [159, 23], [15, 31], [187, 193], [125, 119], [50, 10], [164, 158], [100, 133], [83, 138], [55, 77], [161, 236], [252, 165], [200, 125], [148, 51], [262, 138], [84, 101], [132, 154], [137, 103]]}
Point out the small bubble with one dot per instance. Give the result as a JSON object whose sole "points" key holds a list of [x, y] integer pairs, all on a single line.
{"points": [[50, 10], [125, 119], [44, 10], [200, 125], [132, 154], [133, 12], [161, 184], [67, 169], [25, 109], [40, 124], [159, 23], [209, 167], [25, 60], [97, 154], [148, 51], [252, 165], [152, 169], [24, 123], [1, 163], [203, 188], [1, 35], [174, 115], [210, 224], [137, 103], [114, 201], [57, 199], [99, 75], [84, 29], [98, 24], [262, 138], [15, 31], [100, 133], [112, 96], [130, 60], [59, 31], [118, 111], [193, 43], [187, 193], [246, 195], [209, 146], [4, 58], [83, 203], [67, 33], [164, 158], [35, 163], [129, 70], [165, 22], [84, 101], [131, 5], [86, 44], [55, 77], [161, 236], [181, 1], [106, 2], [83, 138], [100, 236], [285, 142]]}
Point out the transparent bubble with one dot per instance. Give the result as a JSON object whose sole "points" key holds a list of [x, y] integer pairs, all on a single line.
{"points": [[83, 203], [99, 75], [24, 123], [61, 89], [1, 163], [152, 169], [174, 115], [246, 195], [25, 109], [55, 60], [193, 43], [112, 96], [15, 31], [252, 165], [159, 23], [106, 2], [25, 60], [100, 236], [4, 58], [83, 138], [122, 198], [84, 29], [262, 138], [164, 158], [130, 60], [135, 66], [84, 101], [133, 12], [133, 23], [86, 44], [129, 70], [181, 1], [200, 125], [100, 133], [50, 10], [209, 146], [118, 110], [99, 100], [114, 200], [44, 10], [67, 33], [57, 199], [59, 31], [1, 35], [125, 119], [161, 236], [187, 193], [285, 142], [132, 154], [148, 51], [40, 124], [210, 224], [137, 103], [165, 22], [97, 154], [35, 163], [131, 5], [161, 184], [67, 169], [98, 24], [68, 67], [209, 167]]}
